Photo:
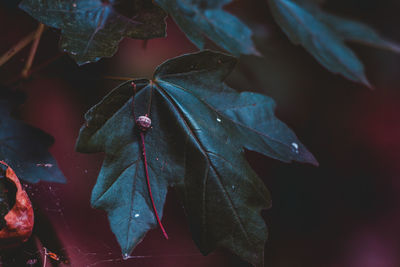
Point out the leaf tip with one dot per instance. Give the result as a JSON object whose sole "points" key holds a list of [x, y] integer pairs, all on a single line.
{"points": [[394, 47], [255, 52], [309, 158], [314, 162], [364, 80]]}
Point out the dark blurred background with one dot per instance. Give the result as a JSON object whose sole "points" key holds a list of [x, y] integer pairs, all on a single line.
{"points": [[344, 213]]}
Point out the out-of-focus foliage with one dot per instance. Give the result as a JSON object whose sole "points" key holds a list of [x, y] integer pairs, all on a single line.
{"points": [[201, 19], [324, 36], [24, 147], [92, 29]]}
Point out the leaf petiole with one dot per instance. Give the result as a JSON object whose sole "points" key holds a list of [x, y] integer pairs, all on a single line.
{"points": [[144, 124], [149, 187]]}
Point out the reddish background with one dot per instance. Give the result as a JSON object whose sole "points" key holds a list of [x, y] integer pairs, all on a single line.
{"points": [[344, 213]]}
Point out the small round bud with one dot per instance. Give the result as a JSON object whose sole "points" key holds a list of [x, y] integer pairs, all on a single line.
{"points": [[144, 123]]}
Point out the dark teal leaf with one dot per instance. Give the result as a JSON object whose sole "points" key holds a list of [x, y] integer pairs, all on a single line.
{"points": [[204, 18], [324, 36], [92, 29], [203, 75], [24, 147], [355, 31], [200, 130]]}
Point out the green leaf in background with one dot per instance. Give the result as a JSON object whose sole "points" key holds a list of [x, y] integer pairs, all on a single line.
{"points": [[24, 147], [199, 19], [324, 35], [200, 130], [92, 29]]}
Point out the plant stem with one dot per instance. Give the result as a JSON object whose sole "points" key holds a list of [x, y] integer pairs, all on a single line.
{"points": [[145, 165], [38, 34], [17, 47], [149, 187], [16, 79]]}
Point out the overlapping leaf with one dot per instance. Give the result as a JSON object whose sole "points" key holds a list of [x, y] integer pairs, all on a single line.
{"points": [[24, 147], [199, 19], [324, 36], [200, 130], [92, 29]]}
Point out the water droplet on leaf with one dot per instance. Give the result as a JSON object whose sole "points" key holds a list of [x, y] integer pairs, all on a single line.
{"points": [[295, 147]]}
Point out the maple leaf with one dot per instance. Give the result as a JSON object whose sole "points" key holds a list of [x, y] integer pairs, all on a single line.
{"points": [[92, 29], [24, 147], [324, 36], [200, 128], [201, 19]]}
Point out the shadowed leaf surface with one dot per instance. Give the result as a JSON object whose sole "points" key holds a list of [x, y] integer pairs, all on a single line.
{"points": [[324, 35], [24, 147], [199, 19], [200, 130], [92, 29]]}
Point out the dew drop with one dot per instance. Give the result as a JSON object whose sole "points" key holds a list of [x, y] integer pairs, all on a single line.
{"points": [[219, 120], [74, 4], [233, 187], [137, 215], [295, 147], [125, 256]]}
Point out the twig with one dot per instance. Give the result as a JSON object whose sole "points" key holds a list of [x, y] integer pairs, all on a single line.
{"points": [[15, 79], [17, 47], [38, 34]]}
